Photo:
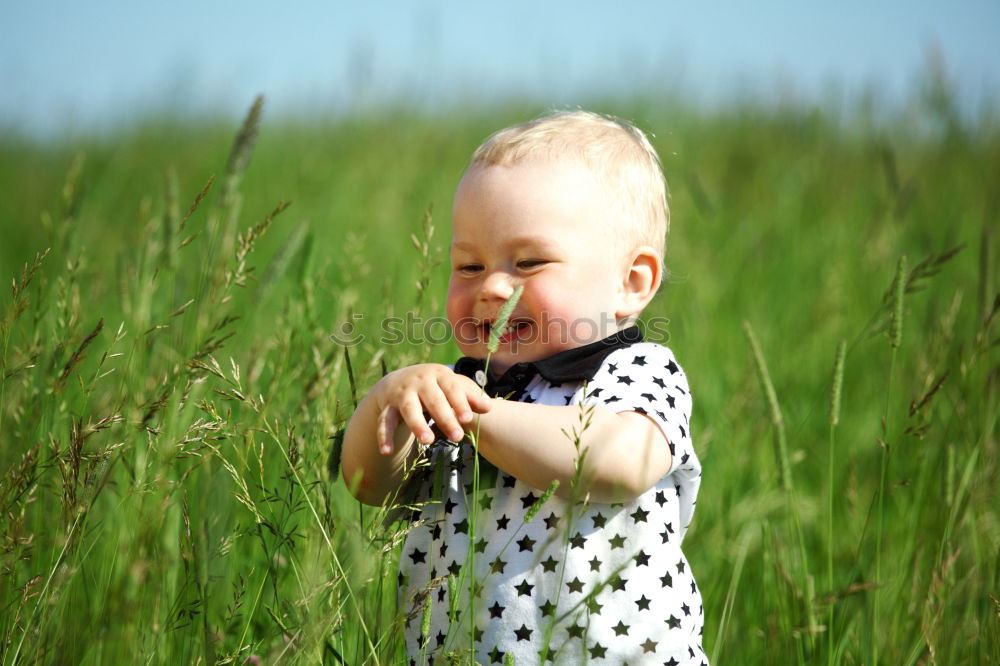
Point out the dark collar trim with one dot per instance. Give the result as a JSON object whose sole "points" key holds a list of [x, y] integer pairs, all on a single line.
{"points": [[578, 364]]}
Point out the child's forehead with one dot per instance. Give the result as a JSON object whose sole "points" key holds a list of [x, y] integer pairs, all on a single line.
{"points": [[562, 179]]}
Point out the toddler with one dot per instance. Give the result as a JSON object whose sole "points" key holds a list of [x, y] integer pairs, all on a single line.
{"points": [[572, 208]]}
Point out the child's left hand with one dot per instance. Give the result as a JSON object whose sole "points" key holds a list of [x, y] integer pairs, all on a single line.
{"points": [[413, 394]]}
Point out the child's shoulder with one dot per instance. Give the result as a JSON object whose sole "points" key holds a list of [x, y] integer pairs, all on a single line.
{"points": [[643, 377], [647, 357]]}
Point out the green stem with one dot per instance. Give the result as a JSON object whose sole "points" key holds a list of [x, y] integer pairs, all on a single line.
{"points": [[829, 548], [880, 525]]}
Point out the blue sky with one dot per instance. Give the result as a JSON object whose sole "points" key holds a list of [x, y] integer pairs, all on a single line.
{"points": [[69, 65]]}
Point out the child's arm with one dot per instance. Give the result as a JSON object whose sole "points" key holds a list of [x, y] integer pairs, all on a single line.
{"points": [[626, 452], [378, 444]]}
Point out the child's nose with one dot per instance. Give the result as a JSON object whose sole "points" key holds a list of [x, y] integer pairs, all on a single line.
{"points": [[498, 285]]}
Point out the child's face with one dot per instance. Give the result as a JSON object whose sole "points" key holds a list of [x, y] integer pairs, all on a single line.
{"points": [[546, 225]]}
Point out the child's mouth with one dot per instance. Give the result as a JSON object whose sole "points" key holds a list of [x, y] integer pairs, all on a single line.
{"points": [[516, 330]]}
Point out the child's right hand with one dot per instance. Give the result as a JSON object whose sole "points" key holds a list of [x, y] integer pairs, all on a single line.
{"points": [[413, 393]]}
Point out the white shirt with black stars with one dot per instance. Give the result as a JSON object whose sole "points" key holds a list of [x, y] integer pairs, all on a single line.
{"points": [[586, 583]]}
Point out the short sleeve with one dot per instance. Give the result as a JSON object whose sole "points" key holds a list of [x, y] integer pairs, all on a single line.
{"points": [[647, 379]]}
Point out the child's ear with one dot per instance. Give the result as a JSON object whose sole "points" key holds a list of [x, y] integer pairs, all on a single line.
{"points": [[641, 280]]}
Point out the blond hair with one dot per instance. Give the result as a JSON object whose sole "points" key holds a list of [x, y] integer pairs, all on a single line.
{"points": [[618, 152]]}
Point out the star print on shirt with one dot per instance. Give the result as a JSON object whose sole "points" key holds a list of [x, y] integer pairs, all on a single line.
{"points": [[502, 522], [462, 526], [525, 544], [575, 585], [667, 532], [639, 515], [672, 367], [673, 622], [597, 651], [617, 583], [642, 559], [643, 603], [496, 610], [625, 379], [548, 608], [595, 564], [552, 521], [524, 588], [498, 565], [524, 633], [648, 646], [617, 541], [639, 360], [599, 520], [528, 500], [418, 555], [621, 629], [549, 564], [496, 656], [577, 541]]}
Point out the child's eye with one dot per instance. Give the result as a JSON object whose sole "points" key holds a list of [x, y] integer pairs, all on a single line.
{"points": [[526, 264], [469, 269]]}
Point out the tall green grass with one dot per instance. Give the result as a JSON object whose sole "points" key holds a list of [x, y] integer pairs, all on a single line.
{"points": [[170, 393]]}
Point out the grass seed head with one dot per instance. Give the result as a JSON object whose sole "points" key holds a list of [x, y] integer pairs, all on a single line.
{"points": [[500, 325], [838, 382]]}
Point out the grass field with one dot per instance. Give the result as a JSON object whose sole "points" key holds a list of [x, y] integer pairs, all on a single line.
{"points": [[170, 390]]}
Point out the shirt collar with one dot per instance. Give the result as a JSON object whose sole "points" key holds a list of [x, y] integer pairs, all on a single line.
{"points": [[577, 364]]}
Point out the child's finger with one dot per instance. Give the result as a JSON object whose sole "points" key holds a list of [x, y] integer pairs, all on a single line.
{"points": [[458, 400], [479, 402], [466, 397], [412, 414], [441, 409], [464, 402]]}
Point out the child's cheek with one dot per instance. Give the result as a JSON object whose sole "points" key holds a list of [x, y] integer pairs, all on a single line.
{"points": [[463, 325]]}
